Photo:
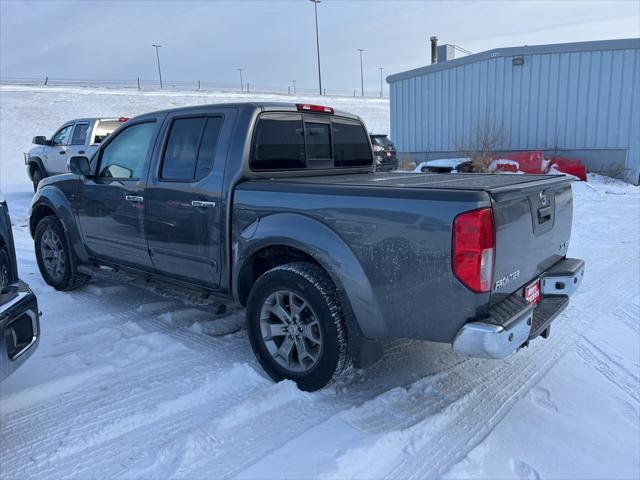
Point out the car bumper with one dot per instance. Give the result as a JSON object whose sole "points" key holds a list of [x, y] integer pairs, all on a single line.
{"points": [[513, 322], [385, 164], [19, 328]]}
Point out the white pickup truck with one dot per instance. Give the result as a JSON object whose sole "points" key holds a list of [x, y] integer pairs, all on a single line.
{"points": [[76, 137]]}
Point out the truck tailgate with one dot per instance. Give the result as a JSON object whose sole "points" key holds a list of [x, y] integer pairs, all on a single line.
{"points": [[533, 227]]}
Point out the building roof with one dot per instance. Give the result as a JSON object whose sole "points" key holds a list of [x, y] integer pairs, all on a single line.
{"points": [[623, 44]]}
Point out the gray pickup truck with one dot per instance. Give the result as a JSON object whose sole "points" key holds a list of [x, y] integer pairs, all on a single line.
{"points": [[275, 207]]}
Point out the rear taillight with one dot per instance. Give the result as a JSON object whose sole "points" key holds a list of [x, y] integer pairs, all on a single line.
{"points": [[306, 107], [474, 249]]}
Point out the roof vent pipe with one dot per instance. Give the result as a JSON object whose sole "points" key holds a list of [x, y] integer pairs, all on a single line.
{"points": [[434, 50]]}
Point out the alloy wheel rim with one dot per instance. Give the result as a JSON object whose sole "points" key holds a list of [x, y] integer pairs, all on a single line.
{"points": [[291, 331], [52, 254]]}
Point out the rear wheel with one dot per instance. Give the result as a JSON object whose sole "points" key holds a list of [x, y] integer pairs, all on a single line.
{"points": [[36, 177], [296, 326], [56, 260]]}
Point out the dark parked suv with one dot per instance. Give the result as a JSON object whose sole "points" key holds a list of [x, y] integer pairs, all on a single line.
{"points": [[385, 153], [275, 207], [19, 327]]}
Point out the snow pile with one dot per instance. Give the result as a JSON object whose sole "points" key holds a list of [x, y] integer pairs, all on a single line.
{"points": [[129, 384]]}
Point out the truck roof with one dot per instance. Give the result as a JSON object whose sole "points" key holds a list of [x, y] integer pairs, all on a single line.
{"points": [[91, 119], [262, 106]]}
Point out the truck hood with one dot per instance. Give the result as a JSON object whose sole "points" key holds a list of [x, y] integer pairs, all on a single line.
{"points": [[64, 177]]}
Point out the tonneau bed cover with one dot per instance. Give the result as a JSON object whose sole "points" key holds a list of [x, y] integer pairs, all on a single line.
{"points": [[489, 182]]}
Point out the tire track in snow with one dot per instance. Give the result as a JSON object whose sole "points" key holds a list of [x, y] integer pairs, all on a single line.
{"points": [[617, 373], [431, 457], [429, 461], [99, 421]]}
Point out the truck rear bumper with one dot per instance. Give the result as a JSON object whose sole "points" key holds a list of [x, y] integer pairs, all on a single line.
{"points": [[513, 322]]}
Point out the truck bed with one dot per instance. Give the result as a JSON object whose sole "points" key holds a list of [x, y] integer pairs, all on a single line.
{"points": [[400, 228]]}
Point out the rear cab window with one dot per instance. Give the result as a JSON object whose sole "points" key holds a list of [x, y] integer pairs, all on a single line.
{"points": [[190, 149], [296, 141], [79, 136]]}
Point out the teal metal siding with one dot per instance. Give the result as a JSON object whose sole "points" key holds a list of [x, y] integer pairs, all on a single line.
{"points": [[566, 97]]}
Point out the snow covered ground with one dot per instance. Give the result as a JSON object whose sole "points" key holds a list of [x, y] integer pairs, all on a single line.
{"points": [[128, 383]]}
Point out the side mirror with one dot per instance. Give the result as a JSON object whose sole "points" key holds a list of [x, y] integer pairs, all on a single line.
{"points": [[79, 165], [40, 140]]}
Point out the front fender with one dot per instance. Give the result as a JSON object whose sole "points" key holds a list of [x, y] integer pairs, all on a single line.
{"points": [[326, 247], [37, 161], [50, 197]]}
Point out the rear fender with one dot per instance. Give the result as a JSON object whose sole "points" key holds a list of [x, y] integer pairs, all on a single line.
{"points": [[334, 255], [51, 198]]}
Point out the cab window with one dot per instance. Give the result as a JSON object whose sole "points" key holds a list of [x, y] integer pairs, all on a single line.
{"points": [[350, 144], [190, 148], [62, 136], [124, 157], [289, 141], [278, 142], [79, 136]]}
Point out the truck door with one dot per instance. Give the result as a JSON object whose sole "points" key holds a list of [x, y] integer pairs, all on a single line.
{"points": [[111, 203], [183, 197], [54, 155]]}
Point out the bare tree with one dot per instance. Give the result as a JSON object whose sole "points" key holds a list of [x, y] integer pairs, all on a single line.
{"points": [[486, 139]]}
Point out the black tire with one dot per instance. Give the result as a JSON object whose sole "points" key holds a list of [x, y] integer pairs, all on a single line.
{"points": [[36, 177], [4, 269], [68, 278], [312, 284]]}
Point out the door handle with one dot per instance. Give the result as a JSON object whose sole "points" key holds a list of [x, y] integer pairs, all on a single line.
{"points": [[201, 204], [133, 198], [62, 152], [81, 152], [544, 214]]}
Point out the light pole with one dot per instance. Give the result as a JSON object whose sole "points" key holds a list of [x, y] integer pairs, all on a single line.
{"points": [[294, 87], [241, 84], [361, 73], [315, 6], [158, 58], [381, 81]]}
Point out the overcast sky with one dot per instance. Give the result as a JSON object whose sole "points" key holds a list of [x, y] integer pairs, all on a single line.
{"points": [[274, 41]]}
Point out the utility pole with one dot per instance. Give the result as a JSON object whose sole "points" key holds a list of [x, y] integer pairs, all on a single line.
{"points": [[241, 84], [381, 81], [158, 58], [294, 87], [361, 73], [315, 6]]}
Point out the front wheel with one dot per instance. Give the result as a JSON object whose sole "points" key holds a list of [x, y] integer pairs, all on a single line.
{"points": [[296, 326], [56, 260]]}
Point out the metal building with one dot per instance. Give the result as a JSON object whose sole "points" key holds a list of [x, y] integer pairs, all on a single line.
{"points": [[579, 100]]}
